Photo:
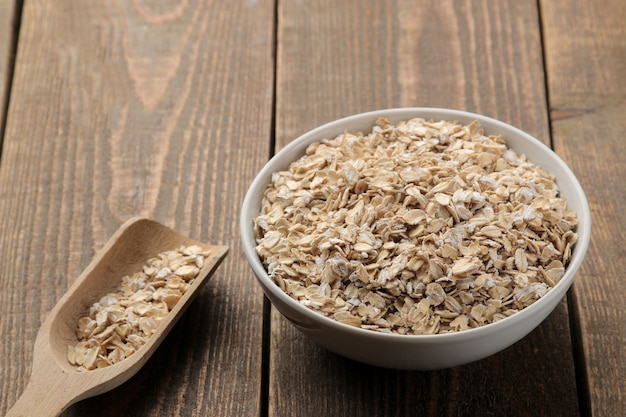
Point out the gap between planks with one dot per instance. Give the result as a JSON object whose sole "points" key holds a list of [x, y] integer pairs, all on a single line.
{"points": [[8, 49]]}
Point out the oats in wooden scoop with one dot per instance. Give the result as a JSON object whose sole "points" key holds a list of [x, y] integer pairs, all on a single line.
{"points": [[123, 321]]}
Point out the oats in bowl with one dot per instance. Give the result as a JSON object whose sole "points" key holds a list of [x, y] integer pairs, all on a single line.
{"points": [[419, 244], [416, 228]]}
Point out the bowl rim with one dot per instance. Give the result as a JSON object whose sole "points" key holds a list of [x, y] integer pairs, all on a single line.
{"points": [[552, 296]]}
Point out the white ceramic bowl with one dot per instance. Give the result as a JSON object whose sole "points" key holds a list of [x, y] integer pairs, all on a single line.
{"points": [[417, 351]]}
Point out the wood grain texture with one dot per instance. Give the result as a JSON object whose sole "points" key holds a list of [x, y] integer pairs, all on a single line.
{"points": [[586, 67], [160, 109], [339, 58], [7, 39], [336, 60]]}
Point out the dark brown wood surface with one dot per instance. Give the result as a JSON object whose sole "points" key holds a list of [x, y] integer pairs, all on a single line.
{"points": [[586, 66], [168, 108], [161, 109]]}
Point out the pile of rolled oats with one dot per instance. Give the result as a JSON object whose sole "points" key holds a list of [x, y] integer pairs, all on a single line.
{"points": [[123, 321], [418, 228]]}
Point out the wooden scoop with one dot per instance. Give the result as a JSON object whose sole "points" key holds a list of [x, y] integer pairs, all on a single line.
{"points": [[54, 383]]}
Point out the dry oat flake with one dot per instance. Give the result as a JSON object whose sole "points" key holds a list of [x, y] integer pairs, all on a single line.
{"points": [[416, 228]]}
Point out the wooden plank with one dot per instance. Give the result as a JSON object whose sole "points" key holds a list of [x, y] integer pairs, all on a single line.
{"points": [[340, 58], [7, 32], [337, 60], [586, 65], [137, 108]]}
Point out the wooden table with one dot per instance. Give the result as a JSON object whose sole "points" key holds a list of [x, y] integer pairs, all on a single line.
{"points": [[168, 109]]}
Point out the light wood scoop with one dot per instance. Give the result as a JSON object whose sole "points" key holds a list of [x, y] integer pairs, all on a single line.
{"points": [[54, 383]]}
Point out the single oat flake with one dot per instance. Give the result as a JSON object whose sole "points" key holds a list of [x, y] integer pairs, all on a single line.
{"points": [[416, 228]]}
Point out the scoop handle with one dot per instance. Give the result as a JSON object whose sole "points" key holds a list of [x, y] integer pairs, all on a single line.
{"points": [[51, 389], [45, 396]]}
